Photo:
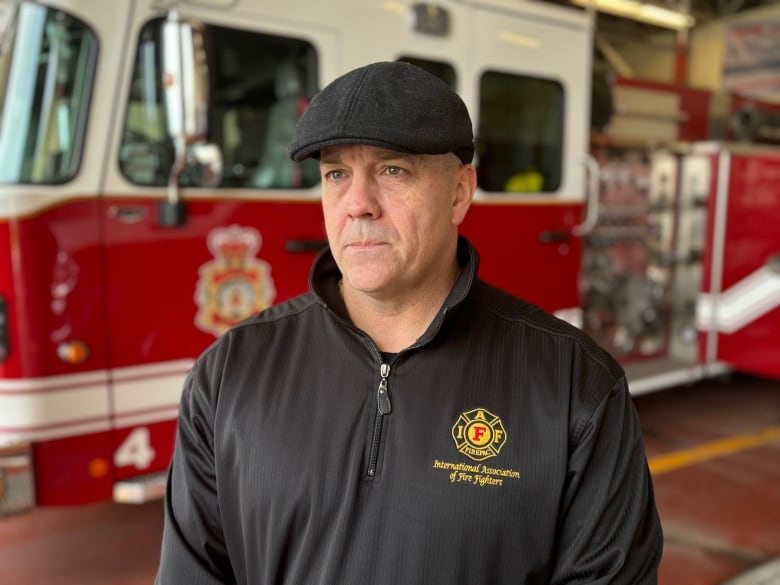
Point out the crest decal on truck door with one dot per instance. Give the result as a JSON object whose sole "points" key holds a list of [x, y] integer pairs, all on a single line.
{"points": [[236, 284]]}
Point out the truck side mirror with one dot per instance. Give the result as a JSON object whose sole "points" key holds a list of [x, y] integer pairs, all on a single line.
{"points": [[186, 87]]}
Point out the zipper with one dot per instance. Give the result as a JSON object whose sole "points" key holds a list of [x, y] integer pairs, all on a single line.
{"points": [[383, 407]]}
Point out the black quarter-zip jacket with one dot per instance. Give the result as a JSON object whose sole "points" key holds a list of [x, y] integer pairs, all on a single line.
{"points": [[501, 448]]}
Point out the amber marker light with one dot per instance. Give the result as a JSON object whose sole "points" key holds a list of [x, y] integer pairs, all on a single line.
{"points": [[73, 352], [98, 467]]}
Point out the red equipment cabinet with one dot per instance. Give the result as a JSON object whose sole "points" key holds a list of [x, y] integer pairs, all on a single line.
{"points": [[739, 308]]}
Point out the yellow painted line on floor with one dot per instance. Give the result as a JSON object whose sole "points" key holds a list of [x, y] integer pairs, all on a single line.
{"points": [[706, 451]]}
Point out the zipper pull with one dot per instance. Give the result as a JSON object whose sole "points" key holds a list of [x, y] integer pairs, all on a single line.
{"points": [[382, 397]]}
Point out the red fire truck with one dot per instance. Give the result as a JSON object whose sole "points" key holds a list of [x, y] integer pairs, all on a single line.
{"points": [[147, 204]]}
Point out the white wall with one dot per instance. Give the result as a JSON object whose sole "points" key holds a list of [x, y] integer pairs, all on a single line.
{"points": [[707, 47]]}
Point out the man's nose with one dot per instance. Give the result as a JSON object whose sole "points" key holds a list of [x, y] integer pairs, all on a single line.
{"points": [[363, 196]]}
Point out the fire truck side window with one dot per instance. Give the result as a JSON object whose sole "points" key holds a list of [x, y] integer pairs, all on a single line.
{"points": [[520, 133], [49, 69], [259, 86]]}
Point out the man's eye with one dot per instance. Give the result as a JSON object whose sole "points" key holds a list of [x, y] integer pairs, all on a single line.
{"points": [[334, 175], [391, 170]]}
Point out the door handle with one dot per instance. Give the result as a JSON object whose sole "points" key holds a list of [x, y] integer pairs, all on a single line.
{"points": [[300, 246], [127, 214], [592, 198], [553, 236]]}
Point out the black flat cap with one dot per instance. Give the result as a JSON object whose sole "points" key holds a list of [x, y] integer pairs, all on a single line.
{"points": [[391, 105]]}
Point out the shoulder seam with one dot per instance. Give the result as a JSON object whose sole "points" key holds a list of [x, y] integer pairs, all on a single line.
{"points": [[283, 310]]}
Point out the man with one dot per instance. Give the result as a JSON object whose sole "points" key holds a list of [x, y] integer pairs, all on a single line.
{"points": [[405, 422]]}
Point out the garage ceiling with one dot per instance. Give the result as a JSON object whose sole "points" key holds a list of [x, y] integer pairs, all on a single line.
{"points": [[702, 10]]}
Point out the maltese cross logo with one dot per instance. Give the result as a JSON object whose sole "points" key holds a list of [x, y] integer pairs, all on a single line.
{"points": [[479, 434]]}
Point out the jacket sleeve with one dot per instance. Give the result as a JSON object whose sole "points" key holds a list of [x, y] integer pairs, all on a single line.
{"points": [[609, 530], [193, 545]]}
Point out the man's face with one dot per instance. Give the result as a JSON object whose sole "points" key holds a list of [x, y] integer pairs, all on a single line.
{"points": [[392, 218]]}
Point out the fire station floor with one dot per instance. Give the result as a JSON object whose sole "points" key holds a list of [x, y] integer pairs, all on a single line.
{"points": [[714, 448]]}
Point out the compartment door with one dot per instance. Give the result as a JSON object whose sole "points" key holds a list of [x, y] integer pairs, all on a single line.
{"points": [[739, 310]]}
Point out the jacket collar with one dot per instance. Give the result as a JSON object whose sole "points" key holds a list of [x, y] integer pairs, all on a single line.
{"points": [[325, 276]]}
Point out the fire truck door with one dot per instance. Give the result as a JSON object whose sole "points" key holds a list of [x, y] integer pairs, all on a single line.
{"points": [[739, 310], [531, 117], [244, 244]]}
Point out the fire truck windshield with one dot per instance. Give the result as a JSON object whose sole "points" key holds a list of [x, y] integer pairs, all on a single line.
{"points": [[47, 65]]}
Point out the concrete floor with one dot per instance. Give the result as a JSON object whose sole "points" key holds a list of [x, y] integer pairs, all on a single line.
{"points": [[714, 448], [719, 500]]}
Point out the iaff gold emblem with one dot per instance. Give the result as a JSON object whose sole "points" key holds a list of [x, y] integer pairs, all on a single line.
{"points": [[235, 284], [479, 434]]}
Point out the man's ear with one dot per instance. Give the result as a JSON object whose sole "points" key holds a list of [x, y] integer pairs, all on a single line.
{"points": [[465, 186]]}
